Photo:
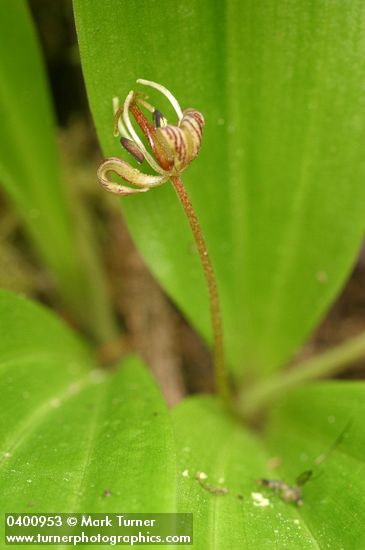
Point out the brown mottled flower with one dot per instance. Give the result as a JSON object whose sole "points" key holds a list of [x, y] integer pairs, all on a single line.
{"points": [[173, 147]]}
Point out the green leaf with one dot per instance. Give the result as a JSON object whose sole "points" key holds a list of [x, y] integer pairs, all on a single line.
{"points": [[69, 431], [300, 430], [278, 185], [326, 419], [30, 174]]}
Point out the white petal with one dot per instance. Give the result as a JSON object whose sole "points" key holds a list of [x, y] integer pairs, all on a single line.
{"points": [[151, 161], [174, 102], [122, 129]]}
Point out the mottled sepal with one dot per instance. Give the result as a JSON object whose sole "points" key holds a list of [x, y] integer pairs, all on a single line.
{"points": [[183, 141]]}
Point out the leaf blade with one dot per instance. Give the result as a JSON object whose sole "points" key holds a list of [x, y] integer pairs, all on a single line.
{"points": [[222, 521], [30, 175], [305, 427], [72, 433], [281, 96], [300, 428]]}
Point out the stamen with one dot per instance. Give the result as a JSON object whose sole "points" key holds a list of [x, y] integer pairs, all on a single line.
{"points": [[132, 149], [151, 161], [145, 104], [121, 128], [159, 120], [166, 93]]}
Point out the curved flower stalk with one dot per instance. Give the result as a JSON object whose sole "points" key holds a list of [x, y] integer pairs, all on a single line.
{"points": [[173, 148]]}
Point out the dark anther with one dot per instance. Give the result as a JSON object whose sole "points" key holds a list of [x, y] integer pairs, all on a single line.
{"points": [[158, 119], [132, 148]]}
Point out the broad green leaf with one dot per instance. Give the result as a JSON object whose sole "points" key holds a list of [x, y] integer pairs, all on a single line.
{"points": [[300, 430], [30, 174], [71, 432], [307, 426], [278, 185]]}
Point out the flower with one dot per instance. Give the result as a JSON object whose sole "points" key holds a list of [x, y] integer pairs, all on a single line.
{"points": [[173, 147]]}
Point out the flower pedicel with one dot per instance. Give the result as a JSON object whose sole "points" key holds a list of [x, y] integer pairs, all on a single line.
{"points": [[173, 148]]}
